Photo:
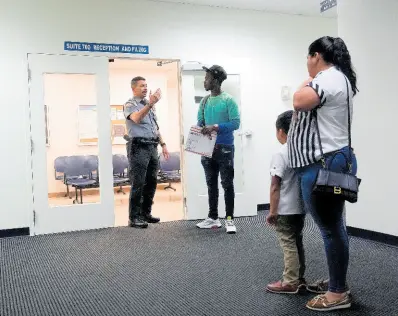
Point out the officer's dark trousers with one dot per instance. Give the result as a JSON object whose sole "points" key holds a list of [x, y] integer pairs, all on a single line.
{"points": [[144, 163]]}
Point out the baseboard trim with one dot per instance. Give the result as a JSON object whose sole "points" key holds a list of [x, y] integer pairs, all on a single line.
{"points": [[14, 232], [263, 207], [356, 232], [374, 236]]}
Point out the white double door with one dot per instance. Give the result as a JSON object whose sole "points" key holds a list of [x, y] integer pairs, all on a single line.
{"points": [[70, 116]]}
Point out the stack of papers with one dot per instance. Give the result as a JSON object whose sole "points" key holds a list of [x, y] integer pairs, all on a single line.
{"points": [[200, 144]]}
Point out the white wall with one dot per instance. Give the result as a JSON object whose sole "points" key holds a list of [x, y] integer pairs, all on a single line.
{"points": [[369, 29], [276, 46]]}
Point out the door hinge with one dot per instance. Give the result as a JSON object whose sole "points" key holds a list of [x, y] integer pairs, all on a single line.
{"points": [[185, 202], [29, 75], [34, 218], [182, 139], [31, 145]]}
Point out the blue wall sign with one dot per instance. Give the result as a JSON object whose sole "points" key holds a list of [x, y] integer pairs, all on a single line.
{"points": [[106, 48], [327, 4]]}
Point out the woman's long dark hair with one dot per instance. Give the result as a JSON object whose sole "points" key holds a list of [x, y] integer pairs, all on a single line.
{"points": [[334, 51]]}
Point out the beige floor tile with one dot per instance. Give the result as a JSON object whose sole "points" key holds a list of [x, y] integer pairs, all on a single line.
{"points": [[168, 205]]}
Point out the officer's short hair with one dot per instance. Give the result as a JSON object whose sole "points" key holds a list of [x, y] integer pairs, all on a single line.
{"points": [[283, 121], [136, 79]]}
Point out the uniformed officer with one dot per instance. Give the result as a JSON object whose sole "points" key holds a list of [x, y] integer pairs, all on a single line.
{"points": [[145, 137], [127, 138]]}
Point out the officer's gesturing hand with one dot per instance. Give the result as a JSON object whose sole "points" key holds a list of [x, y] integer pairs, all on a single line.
{"points": [[154, 98]]}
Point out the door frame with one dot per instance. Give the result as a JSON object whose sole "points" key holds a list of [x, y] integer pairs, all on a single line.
{"points": [[234, 66], [28, 139], [179, 81], [241, 67], [33, 227], [192, 71]]}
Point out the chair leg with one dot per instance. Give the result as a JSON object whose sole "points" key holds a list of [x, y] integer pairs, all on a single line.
{"points": [[76, 197], [67, 192], [170, 187], [120, 190], [81, 196]]}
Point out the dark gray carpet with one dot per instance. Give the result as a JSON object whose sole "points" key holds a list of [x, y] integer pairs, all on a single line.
{"points": [[176, 269]]}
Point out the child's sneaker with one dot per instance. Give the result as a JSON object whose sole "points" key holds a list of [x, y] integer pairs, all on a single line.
{"points": [[209, 223], [283, 288], [230, 225]]}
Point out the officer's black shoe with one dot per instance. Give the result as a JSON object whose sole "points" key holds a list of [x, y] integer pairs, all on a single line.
{"points": [[152, 220], [138, 223]]}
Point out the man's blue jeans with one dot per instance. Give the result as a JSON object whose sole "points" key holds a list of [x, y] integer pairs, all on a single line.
{"points": [[328, 215]]}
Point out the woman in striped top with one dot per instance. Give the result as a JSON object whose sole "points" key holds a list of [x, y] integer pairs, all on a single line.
{"points": [[323, 98]]}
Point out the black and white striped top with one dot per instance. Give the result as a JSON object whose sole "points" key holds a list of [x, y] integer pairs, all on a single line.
{"points": [[303, 145]]}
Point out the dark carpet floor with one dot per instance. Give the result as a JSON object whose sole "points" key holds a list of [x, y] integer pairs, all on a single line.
{"points": [[176, 269]]}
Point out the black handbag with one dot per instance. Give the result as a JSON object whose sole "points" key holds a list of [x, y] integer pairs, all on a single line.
{"points": [[343, 185]]}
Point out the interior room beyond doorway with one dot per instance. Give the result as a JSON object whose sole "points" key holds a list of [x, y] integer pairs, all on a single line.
{"points": [[73, 115]]}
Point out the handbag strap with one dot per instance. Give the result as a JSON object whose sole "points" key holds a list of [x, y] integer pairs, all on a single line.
{"points": [[349, 131]]}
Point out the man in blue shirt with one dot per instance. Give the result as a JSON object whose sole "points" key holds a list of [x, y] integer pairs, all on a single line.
{"points": [[219, 113]]}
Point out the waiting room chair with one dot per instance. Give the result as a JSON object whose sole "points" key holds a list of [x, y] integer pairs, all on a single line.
{"points": [[59, 171], [78, 171], [170, 170], [120, 169], [59, 167], [92, 163]]}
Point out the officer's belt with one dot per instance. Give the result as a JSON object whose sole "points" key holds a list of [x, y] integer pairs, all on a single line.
{"points": [[145, 141]]}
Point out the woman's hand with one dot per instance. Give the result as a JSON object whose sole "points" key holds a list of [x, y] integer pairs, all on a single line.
{"points": [[305, 98], [305, 83]]}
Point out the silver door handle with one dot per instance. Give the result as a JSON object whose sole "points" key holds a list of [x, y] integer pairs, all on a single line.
{"points": [[247, 133]]}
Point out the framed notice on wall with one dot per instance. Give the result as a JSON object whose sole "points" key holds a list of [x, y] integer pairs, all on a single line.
{"points": [[118, 125], [87, 125]]}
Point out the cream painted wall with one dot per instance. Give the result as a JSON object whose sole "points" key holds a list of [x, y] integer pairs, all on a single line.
{"points": [[274, 44]]}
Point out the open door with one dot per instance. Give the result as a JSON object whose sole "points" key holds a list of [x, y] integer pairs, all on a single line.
{"points": [[195, 184], [70, 116]]}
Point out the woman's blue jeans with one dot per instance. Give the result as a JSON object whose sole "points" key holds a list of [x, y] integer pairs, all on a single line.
{"points": [[328, 215]]}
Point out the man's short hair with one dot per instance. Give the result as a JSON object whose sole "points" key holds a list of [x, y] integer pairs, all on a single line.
{"points": [[136, 79], [283, 121]]}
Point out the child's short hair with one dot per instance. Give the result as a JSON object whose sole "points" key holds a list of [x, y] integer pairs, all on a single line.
{"points": [[283, 121]]}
